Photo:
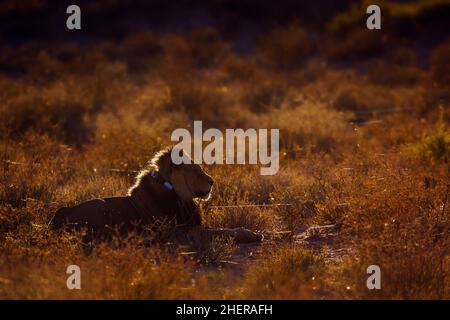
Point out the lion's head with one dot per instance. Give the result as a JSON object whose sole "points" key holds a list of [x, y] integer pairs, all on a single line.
{"points": [[188, 180]]}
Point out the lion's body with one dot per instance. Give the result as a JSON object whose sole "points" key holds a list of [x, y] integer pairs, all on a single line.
{"points": [[151, 199], [97, 214], [125, 214]]}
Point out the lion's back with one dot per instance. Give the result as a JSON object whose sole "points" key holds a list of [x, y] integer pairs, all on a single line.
{"points": [[83, 214], [98, 214]]}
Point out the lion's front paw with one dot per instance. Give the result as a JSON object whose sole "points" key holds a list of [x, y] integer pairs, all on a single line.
{"points": [[243, 235]]}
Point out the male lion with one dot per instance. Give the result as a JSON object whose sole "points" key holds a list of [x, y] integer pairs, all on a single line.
{"points": [[163, 191]]}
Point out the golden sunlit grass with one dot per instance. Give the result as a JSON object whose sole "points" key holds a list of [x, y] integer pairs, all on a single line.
{"points": [[370, 157]]}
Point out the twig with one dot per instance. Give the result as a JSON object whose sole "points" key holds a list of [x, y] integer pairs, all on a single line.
{"points": [[253, 205], [16, 163], [123, 170], [446, 200]]}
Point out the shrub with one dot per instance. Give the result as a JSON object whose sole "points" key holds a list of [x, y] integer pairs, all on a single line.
{"points": [[201, 48], [288, 273], [308, 125], [440, 68], [286, 48], [436, 145], [399, 69], [388, 202], [54, 111], [357, 44], [141, 51]]}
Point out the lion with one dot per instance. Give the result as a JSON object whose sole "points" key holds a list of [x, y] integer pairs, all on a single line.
{"points": [[162, 191]]}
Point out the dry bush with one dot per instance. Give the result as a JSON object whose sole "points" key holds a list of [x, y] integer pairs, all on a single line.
{"points": [[394, 218], [252, 218], [364, 103], [436, 145], [230, 180], [306, 192], [413, 258], [308, 126], [197, 100], [265, 92], [212, 251], [90, 185], [161, 231], [237, 68], [141, 52], [125, 273], [287, 47], [201, 48], [288, 273], [398, 71], [28, 172], [368, 100], [55, 110], [440, 68], [123, 141], [359, 43]]}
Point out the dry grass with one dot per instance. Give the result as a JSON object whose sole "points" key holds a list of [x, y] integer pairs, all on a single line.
{"points": [[367, 153]]}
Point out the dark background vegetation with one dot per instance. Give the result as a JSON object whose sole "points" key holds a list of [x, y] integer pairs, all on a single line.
{"points": [[418, 24]]}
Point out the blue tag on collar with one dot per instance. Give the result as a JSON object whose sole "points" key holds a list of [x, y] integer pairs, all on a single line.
{"points": [[168, 185]]}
